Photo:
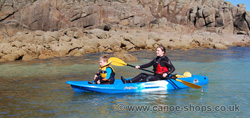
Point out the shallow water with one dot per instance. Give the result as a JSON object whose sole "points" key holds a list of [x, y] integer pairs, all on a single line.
{"points": [[38, 88]]}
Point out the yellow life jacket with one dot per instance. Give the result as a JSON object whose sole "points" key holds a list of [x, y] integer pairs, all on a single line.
{"points": [[103, 72]]}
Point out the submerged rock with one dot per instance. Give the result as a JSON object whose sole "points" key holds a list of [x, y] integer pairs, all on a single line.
{"points": [[220, 46]]}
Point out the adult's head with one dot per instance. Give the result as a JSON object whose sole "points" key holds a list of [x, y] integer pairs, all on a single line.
{"points": [[160, 51]]}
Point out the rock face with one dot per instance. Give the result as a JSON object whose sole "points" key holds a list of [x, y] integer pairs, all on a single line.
{"points": [[42, 29], [57, 14], [223, 16]]}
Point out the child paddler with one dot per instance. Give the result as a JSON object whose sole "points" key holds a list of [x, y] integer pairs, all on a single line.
{"points": [[106, 74]]}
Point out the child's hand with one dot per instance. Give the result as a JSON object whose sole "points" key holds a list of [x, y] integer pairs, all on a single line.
{"points": [[98, 82], [95, 76]]}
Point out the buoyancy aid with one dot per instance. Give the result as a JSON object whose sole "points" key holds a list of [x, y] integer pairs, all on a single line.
{"points": [[103, 73], [159, 68]]}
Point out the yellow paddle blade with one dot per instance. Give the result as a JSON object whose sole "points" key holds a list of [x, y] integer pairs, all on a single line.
{"points": [[109, 62], [117, 62], [189, 84], [179, 76]]}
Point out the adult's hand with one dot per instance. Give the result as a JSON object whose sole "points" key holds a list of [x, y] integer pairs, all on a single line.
{"points": [[164, 75], [137, 67]]}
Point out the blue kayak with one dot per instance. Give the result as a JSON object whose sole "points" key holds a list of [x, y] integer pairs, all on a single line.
{"points": [[120, 87]]}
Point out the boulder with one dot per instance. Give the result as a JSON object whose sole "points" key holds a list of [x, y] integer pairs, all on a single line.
{"points": [[32, 50], [11, 57], [219, 18], [209, 16], [76, 52], [6, 8], [155, 36], [50, 36], [228, 29], [90, 46], [226, 43], [105, 44], [220, 46], [227, 16], [27, 58], [150, 44], [65, 38], [100, 34], [45, 54], [139, 42], [17, 44], [248, 18], [6, 48], [125, 56], [165, 43], [39, 33], [241, 25], [200, 22], [62, 48], [241, 9]]}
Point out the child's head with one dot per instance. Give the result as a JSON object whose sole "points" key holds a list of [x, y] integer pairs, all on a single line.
{"points": [[103, 60]]}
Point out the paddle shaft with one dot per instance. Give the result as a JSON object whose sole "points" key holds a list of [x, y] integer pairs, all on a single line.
{"points": [[140, 68]]}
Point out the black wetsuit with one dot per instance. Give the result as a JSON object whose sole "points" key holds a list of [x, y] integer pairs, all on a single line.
{"points": [[164, 62]]}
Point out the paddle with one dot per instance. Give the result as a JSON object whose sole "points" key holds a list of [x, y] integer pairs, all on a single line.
{"points": [[118, 62]]}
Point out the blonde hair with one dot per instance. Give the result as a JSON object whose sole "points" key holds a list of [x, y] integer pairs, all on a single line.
{"points": [[104, 58]]}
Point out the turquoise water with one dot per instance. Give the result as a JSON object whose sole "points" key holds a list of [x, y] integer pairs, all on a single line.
{"points": [[38, 88]]}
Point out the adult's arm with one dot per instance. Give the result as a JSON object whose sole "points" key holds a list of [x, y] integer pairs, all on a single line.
{"points": [[147, 64], [169, 65]]}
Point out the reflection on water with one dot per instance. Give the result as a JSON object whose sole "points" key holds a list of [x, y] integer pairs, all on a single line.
{"points": [[38, 89]]}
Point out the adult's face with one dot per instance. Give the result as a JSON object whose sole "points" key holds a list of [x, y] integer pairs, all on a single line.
{"points": [[159, 52]]}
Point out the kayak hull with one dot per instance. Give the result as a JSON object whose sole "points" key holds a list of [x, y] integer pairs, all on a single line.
{"points": [[120, 87]]}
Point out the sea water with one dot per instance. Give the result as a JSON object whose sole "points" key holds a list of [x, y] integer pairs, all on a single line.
{"points": [[38, 89]]}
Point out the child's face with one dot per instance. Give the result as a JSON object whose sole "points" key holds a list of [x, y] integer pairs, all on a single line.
{"points": [[102, 63]]}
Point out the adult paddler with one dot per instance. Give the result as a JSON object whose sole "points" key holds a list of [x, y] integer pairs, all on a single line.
{"points": [[162, 68]]}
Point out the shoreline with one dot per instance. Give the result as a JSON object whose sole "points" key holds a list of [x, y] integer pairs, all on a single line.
{"points": [[27, 45]]}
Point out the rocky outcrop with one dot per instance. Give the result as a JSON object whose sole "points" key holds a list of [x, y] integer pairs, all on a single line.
{"points": [[29, 45], [222, 16]]}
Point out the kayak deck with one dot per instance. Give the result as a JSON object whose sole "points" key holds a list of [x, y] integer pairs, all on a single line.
{"points": [[120, 87]]}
